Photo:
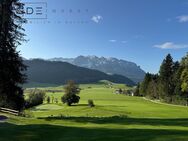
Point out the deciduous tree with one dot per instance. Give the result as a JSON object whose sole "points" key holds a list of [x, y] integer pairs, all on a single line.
{"points": [[71, 93]]}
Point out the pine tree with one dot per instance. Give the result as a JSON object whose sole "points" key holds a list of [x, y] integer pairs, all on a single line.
{"points": [[166, 78], [184, 62], [137, 90], [184, 74], [11, 65], [145, 83], [152, 91], [184, 78]]}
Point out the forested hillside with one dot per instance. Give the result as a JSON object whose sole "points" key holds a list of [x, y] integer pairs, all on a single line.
{"points": [[42, 71]]}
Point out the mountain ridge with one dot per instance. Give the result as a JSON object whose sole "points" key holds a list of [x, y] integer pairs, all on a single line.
{"points": [[109, 65], [58, 72]]}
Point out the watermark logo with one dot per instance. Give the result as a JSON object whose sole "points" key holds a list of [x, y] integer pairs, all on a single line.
{"points": [[40, 13], [35, 10]]}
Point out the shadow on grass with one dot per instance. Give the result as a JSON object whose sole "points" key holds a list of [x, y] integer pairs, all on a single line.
{"points": [[41, 132], [2, 117], [124, 120], [79, 105]]}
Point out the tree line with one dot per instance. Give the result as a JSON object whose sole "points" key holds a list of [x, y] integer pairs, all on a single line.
{"points": [[169, 85], [36, 96]]}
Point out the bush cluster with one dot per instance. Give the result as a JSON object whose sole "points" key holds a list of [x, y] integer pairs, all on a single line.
{"points": [[35, 97]]}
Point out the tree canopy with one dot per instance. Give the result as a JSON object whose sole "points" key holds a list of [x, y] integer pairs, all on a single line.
{"points": [[71, 93], [170, 84]]}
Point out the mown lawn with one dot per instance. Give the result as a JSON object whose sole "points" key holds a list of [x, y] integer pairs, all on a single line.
{"points": [[115, 117]]}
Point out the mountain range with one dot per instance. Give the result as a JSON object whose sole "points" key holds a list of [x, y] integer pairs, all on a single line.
{"points": [[107, 65], [58, 72]]}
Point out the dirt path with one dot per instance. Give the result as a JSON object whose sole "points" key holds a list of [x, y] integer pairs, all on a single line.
{"points": [[158, 102]]}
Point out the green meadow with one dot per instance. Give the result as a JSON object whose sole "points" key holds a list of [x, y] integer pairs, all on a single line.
{"points": [[114, 118]]}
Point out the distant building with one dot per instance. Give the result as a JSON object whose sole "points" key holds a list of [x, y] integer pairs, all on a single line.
{"points": [[125, 92]]}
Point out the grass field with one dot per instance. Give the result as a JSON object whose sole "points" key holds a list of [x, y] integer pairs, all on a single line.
{"points": [[114, 118]]}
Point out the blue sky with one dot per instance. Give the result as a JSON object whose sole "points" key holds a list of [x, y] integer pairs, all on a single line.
{"points": [[141, 31]]}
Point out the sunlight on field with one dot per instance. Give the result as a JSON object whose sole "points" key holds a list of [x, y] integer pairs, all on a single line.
{"points": [[115, 117], [108, 104]]}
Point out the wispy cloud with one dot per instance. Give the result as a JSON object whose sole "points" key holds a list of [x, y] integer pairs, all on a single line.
{"points": [[171, 45], [97, 18], [124, 42], [112, 41], [183, 18]]}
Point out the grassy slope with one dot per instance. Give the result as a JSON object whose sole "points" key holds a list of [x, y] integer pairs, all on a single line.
{"points": [[115, 117]]}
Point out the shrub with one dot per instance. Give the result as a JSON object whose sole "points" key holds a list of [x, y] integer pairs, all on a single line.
{"points": [[27, 114], [56, 100], [48, 100], [178, 100], [35, 98], [52, 99], [91, 103]]}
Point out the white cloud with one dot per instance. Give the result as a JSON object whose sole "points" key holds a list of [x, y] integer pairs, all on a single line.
{"points": [[96, 18], [183, 18], [112, 41], [171, 45]]}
